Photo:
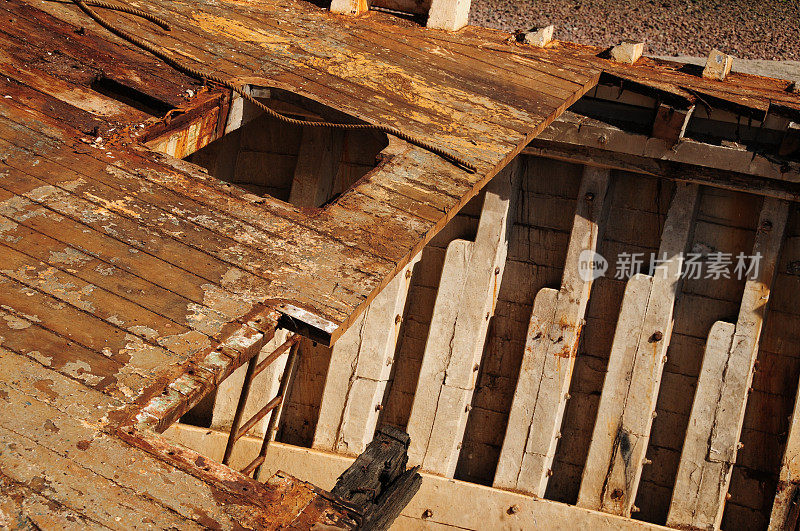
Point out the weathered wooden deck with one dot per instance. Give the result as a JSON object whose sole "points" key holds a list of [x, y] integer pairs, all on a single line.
{"points": [[132, 283]]}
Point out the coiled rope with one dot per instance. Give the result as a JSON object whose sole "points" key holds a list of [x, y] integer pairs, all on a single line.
{"points": [[207, 77]]}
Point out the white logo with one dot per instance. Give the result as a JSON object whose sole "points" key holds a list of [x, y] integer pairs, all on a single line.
{"points": [[591, 265]]}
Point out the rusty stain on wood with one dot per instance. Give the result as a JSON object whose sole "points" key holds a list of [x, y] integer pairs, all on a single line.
{"points": [[132, 283]]}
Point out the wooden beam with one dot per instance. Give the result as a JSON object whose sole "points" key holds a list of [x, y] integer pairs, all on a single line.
{"points": [[587, 138], [675, 171], [670, 123], [350, 7], [317, 165], [715, 424], [377, 482], [441, 503], [552, 342], [638, 353], [465, 302], [450, 15], [361, 362]]}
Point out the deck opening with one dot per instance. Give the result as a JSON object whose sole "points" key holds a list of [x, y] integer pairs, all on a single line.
{"points": [[305, 166], [131, 96]]}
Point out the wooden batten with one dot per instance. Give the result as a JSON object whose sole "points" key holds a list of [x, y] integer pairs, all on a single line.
{"points": [[360, 366], [450, 15], [464, 305], [551, 346], [540, 37], [633, 378], [715, 423]]}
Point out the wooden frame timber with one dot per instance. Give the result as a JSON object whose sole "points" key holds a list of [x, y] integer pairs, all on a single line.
{"points": [[160, 232]]}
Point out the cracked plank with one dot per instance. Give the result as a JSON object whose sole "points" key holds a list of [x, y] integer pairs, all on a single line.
{"points": [[541, 394]]}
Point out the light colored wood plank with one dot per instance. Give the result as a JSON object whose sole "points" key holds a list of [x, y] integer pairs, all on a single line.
{"points": [[712, 438], [361, 363], [453, 504], [638, 353], [540, 397], [464, 304]]}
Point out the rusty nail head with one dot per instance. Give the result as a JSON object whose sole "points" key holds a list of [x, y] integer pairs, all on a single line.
{"points": [[767, 225], [514, 509], [656, 337], [378, 407], [427, 513], [589, 196], [398, 318], [497, 270], [408, 273]]}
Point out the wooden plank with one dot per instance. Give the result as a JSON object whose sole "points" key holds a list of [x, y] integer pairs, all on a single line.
{"points": [[464, 305], [452, 504], [540, 397], [617, 452], [715, 424], [359, 370]]}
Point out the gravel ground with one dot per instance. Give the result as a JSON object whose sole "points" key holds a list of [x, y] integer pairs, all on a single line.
{"points": [[747, 29]]}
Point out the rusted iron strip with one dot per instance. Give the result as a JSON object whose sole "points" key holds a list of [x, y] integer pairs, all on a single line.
{"points": [[272, 404], [237, 417], [283, 389], [253, 369], [258, 461], [275, 354]]}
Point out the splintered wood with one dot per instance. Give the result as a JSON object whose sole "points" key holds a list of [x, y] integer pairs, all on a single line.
{"points": [[638, 354], [553, 335], [712, 438], [464, 305], [361, 362]]}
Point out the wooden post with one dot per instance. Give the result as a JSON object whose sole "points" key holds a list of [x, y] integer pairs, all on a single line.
{"points": [[361, 362], [638, 353], [718, 65], [317, 164], [450, 15], [552, 343], [464, 304], [627, 52], [715, 424], [349, 7]]}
